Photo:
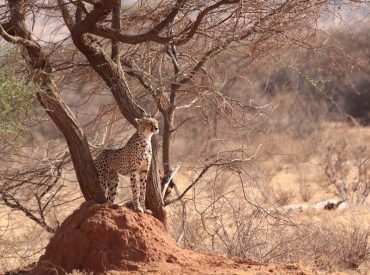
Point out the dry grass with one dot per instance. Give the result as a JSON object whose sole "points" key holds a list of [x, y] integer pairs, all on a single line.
{"points": [[343, 246], [317, 238], [329, 246], [283, 197], [306, 191]]}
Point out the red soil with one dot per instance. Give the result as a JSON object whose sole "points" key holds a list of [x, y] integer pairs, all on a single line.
{"points": [[102, 238]]}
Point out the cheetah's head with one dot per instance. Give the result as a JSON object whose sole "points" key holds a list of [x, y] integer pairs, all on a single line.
{"points": [[147, 125]]}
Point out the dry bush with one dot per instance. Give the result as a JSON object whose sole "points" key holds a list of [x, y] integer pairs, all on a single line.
{"points": [[20, 245], [327, 246], [283, 197], [332, 246], [235, 233], [347, 170], [237, 228], [275, 195]]}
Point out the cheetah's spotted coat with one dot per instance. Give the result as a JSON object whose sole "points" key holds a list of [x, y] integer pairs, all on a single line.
{"points": [[133, 159]]}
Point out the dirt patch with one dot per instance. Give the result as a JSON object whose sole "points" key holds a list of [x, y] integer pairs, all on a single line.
{"points": [[102, 238]]}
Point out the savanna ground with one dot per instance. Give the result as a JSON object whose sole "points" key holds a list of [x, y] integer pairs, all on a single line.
{"points": [[308, 143]]}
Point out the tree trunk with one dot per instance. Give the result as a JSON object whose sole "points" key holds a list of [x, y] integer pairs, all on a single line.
{"points": [[167, 128], [153, 194], [77, 143], [49, 98], [112, 76]]}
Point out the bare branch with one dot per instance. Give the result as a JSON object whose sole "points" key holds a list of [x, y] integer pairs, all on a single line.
{"points": [[166, 181], [204, 171], [14, 204], [151, 35]]}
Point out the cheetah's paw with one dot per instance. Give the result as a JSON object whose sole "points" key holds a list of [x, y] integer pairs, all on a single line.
{"points": [[147, 211], [139, 209]]}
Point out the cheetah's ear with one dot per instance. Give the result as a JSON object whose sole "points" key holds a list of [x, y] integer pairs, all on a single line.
{"points": [[138, 120]]}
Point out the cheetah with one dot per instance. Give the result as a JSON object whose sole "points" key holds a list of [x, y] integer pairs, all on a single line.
{"points": [[133, 159]]}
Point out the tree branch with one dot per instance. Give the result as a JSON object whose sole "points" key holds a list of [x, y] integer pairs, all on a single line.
{"points": [[66, 15], [204, 171], [151, 35], [194, 27], [17, 206], [116, 25], [16, 39], [166, 181]]}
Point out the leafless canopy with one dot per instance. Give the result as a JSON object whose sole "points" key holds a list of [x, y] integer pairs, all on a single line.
{"points": [[166, 58]]}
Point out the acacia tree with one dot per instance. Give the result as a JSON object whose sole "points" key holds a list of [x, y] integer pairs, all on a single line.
{"points": [[157, 56]]}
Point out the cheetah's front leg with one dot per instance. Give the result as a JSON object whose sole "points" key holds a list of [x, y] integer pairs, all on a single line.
{"points": [[112, 187], [135, 192], [143, 178]]}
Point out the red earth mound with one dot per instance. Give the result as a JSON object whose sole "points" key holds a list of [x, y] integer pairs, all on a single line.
{"points": [[101, 238]]}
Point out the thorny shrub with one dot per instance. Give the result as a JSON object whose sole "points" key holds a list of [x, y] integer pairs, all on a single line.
{"points": [[338, 245], [348, 171], [271, 237]]}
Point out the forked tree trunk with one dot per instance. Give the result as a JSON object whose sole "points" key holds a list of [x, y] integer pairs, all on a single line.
{"points": [[114, 78]]}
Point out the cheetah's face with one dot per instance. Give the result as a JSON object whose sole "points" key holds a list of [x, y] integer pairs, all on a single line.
{"points": [[149, 125]]}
